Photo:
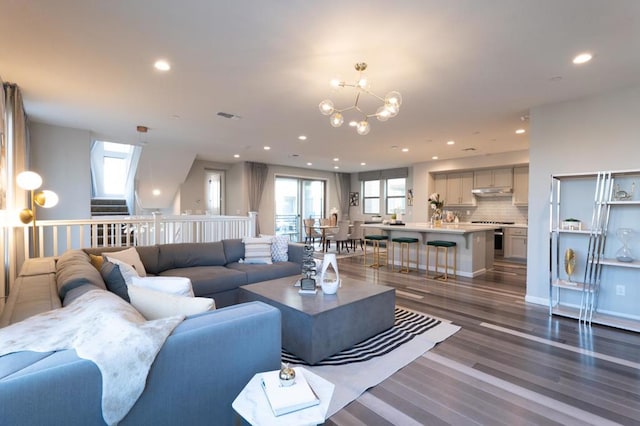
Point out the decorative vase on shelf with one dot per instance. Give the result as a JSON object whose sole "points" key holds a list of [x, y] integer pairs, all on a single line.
{"points": [[329, 275], [624, 254], [436, 218]]}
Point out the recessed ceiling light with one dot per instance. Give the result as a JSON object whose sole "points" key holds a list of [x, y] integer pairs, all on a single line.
{"points": [[155, 192], [405, 149], [336, 167], [435, 157], [162, 65], [582, 58], [309, 164], [363, 164], [302, 137], [520, 131], [236, 155], [267, 148], [451, 142], [336, 159]]}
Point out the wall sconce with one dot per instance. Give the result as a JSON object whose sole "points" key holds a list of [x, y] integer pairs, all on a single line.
{"points": [[30, 181]]}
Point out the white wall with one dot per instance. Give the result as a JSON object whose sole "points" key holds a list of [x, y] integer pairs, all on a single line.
{"points": [[61, 156], [237, 197], [585, 135], [192, 191]]}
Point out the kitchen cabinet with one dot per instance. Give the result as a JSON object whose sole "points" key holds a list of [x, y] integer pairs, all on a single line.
{"points": [[459, 186], [588, 281], [515, 243], [493, 178], [441, 185], [520, 186]]}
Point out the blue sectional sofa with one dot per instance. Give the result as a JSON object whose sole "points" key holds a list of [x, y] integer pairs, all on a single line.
{"points": [[201, 368]]}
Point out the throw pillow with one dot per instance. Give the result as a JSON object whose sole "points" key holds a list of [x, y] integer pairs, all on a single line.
{"points": [[257, 250], [114, 280], [154, 304], [127, 271], [129, 256], [179, 286], [96, 261], [279, 247]]}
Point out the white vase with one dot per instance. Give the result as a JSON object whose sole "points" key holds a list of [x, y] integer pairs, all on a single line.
{"points": [[328, 281]]}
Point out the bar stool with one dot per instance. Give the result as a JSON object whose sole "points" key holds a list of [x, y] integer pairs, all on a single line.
{"points": [[404, 244], [377, 252], [446, 245]]}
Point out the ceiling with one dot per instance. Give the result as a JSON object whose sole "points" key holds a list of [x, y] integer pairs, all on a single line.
{"points": [[468, 71]]}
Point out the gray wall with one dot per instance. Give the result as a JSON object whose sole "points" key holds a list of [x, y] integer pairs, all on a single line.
{"points": [[192, 191], [61, 156], [585, 135]]}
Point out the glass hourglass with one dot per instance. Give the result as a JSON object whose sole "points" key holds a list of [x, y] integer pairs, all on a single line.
{"points": [[624, 254]]}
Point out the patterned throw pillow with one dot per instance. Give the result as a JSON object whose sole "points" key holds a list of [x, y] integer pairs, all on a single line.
{"points": [[280, 248], [257, 250]]}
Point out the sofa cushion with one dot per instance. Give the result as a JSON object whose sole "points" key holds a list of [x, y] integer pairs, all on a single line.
{"points": [[207, 280], [256, 272], [74, 269], [233, 249], [153, 304], [114, 280], [30, 295], [129, 256], [186, 255], [77, 292]]}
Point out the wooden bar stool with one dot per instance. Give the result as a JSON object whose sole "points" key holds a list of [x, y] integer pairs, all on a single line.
{"points": [[377, 252], [404, 243], [446, 245]]}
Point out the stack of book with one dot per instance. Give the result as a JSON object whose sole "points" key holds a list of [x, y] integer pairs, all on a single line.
{"points": [[286, 399]]}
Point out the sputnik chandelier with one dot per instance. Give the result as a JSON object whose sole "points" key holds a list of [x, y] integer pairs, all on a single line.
{"points": [[390, 109]]}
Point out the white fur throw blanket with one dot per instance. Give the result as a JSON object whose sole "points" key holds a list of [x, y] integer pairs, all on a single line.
{"points": [[102, 328]]}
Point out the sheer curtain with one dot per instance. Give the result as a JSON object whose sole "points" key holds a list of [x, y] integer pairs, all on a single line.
{"points": [[343, 186], [257, 178]]}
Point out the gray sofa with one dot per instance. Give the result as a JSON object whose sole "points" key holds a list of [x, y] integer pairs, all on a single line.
{"points": [[201, 368]]}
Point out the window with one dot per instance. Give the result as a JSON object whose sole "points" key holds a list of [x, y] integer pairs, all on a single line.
{"points": [[393, 192], [371, 197], [115, 168], [395, 195]]}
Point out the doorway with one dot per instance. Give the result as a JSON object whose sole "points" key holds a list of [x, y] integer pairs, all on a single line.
{"points": [[297, 198], [214, 194]]}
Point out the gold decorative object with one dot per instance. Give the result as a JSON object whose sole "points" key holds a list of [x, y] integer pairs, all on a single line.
{"points": [[287, 375], [569, 263], [30, 181]]}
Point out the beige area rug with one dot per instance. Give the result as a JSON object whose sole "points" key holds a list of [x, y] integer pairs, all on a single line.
{"points": [[352, 379]]}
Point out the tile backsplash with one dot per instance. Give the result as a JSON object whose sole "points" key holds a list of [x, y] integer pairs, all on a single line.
{"points": [[500, 209]]}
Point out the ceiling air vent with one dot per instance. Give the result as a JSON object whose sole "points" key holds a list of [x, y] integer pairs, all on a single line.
{"points": [[469, 149], [230, 116]]}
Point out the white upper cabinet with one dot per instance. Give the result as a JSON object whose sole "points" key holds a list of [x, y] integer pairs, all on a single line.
{"points": [[459, 186], [521, 186], [493, 178]]}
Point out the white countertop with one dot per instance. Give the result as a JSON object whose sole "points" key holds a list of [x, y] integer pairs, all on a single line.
{"points": [[446, 228]]}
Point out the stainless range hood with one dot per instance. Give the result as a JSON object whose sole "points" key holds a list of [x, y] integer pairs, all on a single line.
{"points": [[492, 191]]}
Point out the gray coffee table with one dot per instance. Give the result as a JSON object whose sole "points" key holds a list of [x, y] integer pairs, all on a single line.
{"points": [[317, 326]]}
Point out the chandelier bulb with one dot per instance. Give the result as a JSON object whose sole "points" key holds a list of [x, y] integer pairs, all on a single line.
{"points": [[393, 98], [383, 114], [363, 127], [337, 119], [326, 107]]}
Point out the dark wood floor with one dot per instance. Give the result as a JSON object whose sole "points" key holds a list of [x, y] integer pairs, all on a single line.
{"points": [[510, 364]]}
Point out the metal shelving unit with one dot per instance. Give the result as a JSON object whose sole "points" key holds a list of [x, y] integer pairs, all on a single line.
{"points": [[594, 239]]}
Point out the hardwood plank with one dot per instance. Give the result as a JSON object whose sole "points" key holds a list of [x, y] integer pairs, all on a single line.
{"points": [[509, 364]]}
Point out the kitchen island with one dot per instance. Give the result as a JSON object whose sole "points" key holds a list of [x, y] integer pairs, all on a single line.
{"points": [[474, 242]]}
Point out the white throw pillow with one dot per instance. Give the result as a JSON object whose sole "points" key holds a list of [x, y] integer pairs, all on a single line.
{"points": [[126, 270], [154, 304], [179, 286], [129, 256], [257, 250]]}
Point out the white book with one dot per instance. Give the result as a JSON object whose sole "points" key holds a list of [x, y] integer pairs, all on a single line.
{"points": [[286, 399]]}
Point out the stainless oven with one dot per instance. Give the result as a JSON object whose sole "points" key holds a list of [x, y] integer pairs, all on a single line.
{"points": [[498, 235]]}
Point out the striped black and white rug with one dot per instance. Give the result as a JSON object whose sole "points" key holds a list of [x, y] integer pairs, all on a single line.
{"points": [[407, 326]]}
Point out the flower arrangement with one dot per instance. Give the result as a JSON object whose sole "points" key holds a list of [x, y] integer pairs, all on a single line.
{"points": [[435, 201]]}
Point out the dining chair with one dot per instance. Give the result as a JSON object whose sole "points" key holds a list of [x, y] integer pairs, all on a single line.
{"points": [[311, 233], [357, 234], [341, 237]]}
